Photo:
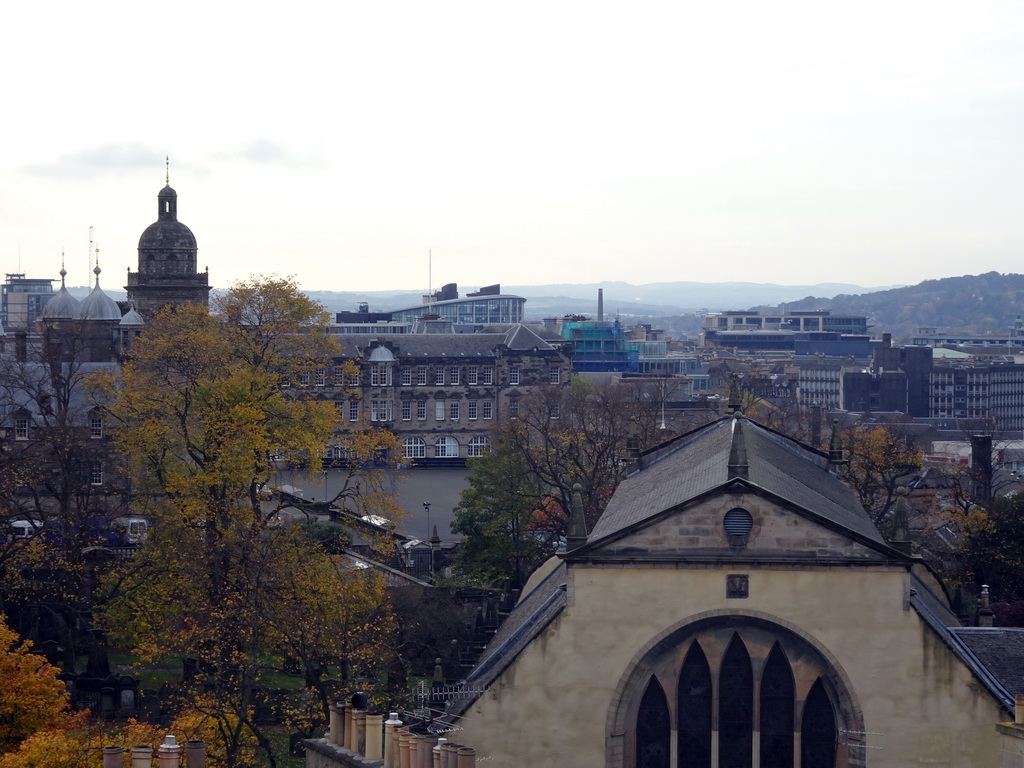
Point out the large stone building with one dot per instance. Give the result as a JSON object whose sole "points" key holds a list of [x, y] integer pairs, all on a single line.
{"points": [[439, 392], [734, 606], [167, 272]]}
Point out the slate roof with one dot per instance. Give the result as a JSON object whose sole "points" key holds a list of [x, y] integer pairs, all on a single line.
{"points": [[994, 655], [698, 462], [413, 345], [1000, 650], [528, 619]]}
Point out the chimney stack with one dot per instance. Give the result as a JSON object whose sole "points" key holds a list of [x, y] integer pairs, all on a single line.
{"points": [[985, 610], [600, 304]]}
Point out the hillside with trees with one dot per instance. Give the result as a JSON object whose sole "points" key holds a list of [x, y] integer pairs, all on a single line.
{"points": [[981, 304]]}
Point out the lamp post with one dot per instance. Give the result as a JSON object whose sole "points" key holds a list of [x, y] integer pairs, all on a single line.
{"points": [[426, 508]]}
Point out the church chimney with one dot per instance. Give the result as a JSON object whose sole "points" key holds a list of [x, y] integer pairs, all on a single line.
{"points": [[985, 609]]}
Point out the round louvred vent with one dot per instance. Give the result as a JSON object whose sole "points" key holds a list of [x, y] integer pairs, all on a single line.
{"points": [[737, 524]]}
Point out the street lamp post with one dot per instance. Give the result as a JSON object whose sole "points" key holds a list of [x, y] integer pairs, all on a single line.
{"points": [[426, 508]]}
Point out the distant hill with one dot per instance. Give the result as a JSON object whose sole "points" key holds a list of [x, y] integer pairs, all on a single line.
{"points": [[623, 299], [980, 304]]}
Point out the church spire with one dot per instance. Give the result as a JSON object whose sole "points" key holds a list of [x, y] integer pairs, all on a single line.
{"points": [[167, 174]]}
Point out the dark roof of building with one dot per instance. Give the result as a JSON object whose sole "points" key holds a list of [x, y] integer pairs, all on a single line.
{"points": [[534, 611], [698, 462], [994, 656], [1001, 650], [456, 345]]}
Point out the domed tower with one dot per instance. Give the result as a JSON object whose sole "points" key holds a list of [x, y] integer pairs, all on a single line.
{"points": [[167, 262]]}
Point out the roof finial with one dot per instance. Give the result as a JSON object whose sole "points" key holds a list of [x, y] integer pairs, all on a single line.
{"points": [[63, 272], [167, 175], [735, 402], [900, 538], [577, 534], [738, 466], [836, 458]]}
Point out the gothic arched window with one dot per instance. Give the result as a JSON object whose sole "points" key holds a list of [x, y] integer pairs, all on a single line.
{"points": [[694, 711], [737, 702], [776, 710], [818, 730], [736, 708], [653, 734]]}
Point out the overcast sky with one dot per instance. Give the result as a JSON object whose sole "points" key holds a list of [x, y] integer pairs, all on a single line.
{"points": [[523, 143]]}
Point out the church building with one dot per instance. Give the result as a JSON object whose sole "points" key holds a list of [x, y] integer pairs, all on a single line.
{"points": [[735, 607], [167, 273]]}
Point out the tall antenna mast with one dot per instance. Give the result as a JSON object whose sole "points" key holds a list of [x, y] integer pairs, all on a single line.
{"points": [[88, 266]]}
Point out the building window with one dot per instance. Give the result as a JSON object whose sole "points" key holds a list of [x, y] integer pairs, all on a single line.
{"points": [[95, 473], [380, 375], [421, 409], [406, 376], [446, 448], [514, 373], [421, 375], [353, 378], [755, 710], [479, 446], [380, 410], [453, 410], [653, 735], [406, 410], [487, 409], [513, 407], [439, 376], [304, 379], [439, 410], [472, 375], [554, 375], [339, 375], [453, 375], [414, 448], [472, 409], [353, 410], [321, 377], [487, 376], [95, 427], [554, 411], [21, 429]]}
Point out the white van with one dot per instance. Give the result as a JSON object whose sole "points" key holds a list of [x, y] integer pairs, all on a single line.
{"points": [[20, 530], [133, 530]]}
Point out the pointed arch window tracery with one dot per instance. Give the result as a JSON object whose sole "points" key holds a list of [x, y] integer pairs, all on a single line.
{"points": [[744, 697]]}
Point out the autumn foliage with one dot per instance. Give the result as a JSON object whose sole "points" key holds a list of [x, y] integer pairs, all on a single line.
{"points": [[201, 411], [31, 696]]}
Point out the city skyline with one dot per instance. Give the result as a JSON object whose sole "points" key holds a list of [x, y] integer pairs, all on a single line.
{"points": [[791, 144]]}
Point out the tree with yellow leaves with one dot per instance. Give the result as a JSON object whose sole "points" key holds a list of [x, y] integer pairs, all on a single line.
{"points": [[31, 696], [200, 411], [881, 460]]}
